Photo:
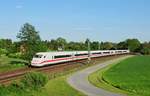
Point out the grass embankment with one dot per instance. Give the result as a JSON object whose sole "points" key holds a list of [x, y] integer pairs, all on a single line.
{"points": [[131, 75], [59, 87], [9, 64]]}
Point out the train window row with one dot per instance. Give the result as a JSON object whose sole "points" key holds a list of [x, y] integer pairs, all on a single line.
{"points": [[62, 56], [81, 54], [106, 52], [97, 53], [65, 56]]}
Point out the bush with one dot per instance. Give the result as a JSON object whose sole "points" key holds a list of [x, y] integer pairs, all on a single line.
{"points": [[34, 80], [3, 90], [145, 51], [30, 82], [15, 55], [3, 51]]}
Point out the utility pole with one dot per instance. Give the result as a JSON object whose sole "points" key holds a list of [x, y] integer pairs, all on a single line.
{"points": [[89, 53], [99, 47]]}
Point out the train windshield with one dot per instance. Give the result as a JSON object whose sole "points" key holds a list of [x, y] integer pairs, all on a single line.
{"points": [[38, 56]]}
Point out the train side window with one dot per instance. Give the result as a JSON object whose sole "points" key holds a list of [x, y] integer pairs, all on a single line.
{"points": [[97, 53], [81, 54], [62, 56], [106, 52]]}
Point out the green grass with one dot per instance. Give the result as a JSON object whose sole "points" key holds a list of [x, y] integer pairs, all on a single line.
{"points": [[59, 87], [132, 75], [9, 64]]}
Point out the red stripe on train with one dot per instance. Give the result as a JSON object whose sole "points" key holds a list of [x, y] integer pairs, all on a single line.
{"points": [[62, 59]]}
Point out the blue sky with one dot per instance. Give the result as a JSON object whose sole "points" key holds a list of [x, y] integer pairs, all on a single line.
{"points": [[76, 20]]}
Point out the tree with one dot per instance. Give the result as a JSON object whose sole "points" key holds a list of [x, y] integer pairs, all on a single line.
{"points": [[133, 45], [61, 42], [145, 51], [31, 41], [107, 45], [122, 45], [95, 45], [7, 45], [145, 48]]}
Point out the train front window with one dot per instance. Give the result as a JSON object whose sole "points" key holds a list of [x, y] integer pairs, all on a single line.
{"points": [[37, 56]]}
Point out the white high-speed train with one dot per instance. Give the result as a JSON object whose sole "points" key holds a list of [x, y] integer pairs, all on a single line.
{"points": [[47, 58]]}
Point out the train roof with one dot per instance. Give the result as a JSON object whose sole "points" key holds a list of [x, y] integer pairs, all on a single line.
{"points": [[73, 52], [62, 52]]}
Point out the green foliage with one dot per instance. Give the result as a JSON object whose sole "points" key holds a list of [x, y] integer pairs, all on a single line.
{"points": [[3, 51], [145, 51], [30, 40], [61, 43], [133, 44], [132, 75], [95, 45], [34, 80], [15, 55], [107, 45], [9, 64], [76, 46], [6, 44], [122, 45]]}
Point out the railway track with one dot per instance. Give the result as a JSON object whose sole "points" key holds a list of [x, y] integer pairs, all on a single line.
{"points": [[7, 77]]}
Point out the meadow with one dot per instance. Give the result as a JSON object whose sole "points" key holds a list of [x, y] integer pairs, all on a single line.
{"points": [[9, 64], [131, 75]]}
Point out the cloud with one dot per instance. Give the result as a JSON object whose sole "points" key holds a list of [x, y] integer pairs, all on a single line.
{"points": [[19, 6]]}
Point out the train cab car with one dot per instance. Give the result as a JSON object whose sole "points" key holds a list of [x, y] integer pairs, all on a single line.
{"points": [[38, 58], [46, 58]]}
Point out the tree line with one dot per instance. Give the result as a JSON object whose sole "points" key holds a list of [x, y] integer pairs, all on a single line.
{"points": [[30, 42]]}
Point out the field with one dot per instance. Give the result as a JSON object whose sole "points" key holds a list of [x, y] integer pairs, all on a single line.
{"points": [[9, 64], [132, 75]]}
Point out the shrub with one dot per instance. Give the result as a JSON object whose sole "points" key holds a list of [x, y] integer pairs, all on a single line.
{"points": [[15, 55], [34, 80], [3, 51], [145, 51], [3, 90]]}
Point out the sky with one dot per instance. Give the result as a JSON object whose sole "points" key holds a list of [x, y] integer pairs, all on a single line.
{"points": [[76, 20]]}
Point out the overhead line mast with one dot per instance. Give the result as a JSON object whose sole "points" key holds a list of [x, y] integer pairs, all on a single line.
{"points": [[89, 53]]}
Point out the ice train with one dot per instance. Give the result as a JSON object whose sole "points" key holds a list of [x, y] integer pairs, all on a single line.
{"points": [[47, 58]]}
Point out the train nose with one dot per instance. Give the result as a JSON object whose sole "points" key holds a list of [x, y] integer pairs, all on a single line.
{"points": [[35, 61]]}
